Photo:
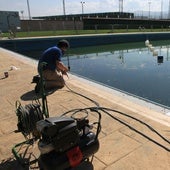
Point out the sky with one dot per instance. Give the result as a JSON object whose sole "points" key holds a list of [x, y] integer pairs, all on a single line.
{"points": [[55, 7]]}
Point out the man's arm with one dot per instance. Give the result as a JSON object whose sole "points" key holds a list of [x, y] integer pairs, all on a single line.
{"points": [[61, 67]]}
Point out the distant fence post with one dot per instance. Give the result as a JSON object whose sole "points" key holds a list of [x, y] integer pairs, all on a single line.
{"points": [[112, 26], [75, 26], [127, 28], [96, 28]]}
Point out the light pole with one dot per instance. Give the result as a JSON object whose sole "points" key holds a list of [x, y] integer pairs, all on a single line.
{"points": [[161, 9], [29, 14], [82, 5], [64, 9], [169, 11], [149, 8]]}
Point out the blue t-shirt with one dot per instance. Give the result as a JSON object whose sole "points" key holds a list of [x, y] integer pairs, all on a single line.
{"points": [[50, 56]]}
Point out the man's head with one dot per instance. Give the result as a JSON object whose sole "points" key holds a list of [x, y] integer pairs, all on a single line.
{"points": [[63, 45]]}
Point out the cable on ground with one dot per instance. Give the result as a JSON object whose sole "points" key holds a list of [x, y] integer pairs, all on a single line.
{"points": [[105, 110]]}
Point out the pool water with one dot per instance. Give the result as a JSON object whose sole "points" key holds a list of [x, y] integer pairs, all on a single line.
{"points": [[133, 68]]}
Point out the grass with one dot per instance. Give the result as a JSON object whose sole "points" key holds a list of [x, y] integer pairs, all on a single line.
{"points": [[77, 32]]}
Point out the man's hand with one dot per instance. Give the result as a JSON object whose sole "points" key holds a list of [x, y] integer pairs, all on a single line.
{"points": [[64, 73], [60, 66]]}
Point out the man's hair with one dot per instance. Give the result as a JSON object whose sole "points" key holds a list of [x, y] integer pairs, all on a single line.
{"points": [[63, 43]]}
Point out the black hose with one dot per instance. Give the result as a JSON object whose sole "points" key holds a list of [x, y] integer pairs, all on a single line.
{"points": [[93, 101], [142, 134], [105, 110], [142, 122]]}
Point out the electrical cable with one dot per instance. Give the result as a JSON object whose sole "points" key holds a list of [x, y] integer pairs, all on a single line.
{"points": [[93, 101], [129, 126], [105, 110], [142, 134], [142, 122]]}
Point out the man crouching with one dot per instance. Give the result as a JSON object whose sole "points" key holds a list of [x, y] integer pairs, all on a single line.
{"points": [[54, 69]]}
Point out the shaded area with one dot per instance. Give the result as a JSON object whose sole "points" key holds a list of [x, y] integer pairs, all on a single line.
{"points": [[12, 164], [31, 95]]}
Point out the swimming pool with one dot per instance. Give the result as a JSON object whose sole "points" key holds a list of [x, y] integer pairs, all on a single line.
{"points": [[133, 68]]}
